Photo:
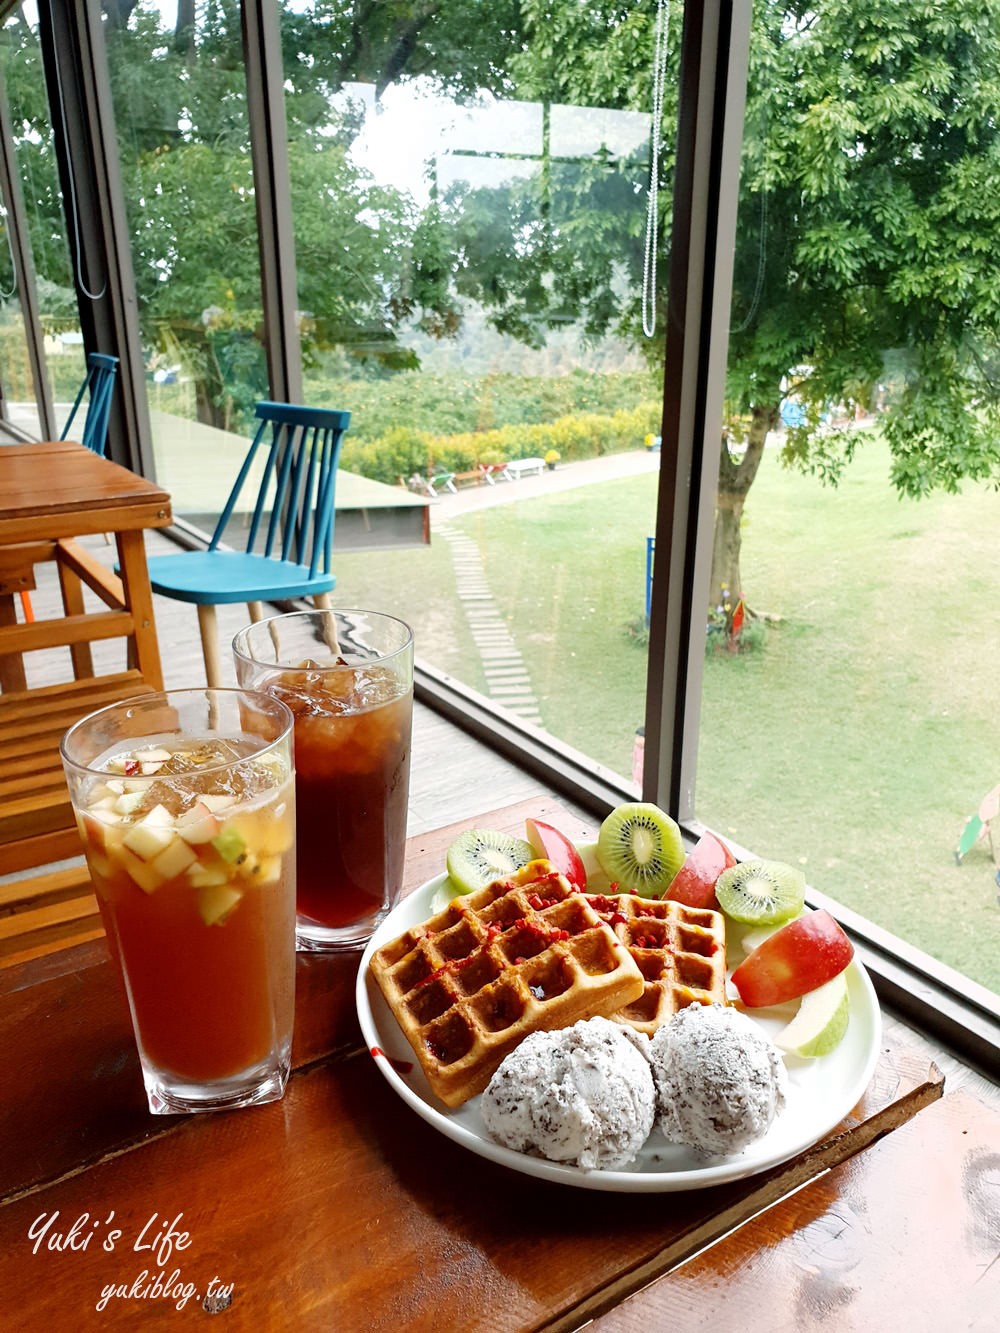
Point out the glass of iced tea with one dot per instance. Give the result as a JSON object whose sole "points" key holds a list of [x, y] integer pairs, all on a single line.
{"points": [[348, 678], [185, 802]]}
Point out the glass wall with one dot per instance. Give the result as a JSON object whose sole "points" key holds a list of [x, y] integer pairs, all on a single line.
{"points": [[35, 164], [470, 203], [851, 726], [180, 105]]}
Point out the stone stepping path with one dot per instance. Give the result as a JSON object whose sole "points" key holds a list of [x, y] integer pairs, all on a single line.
{"points": [[507, 680]]}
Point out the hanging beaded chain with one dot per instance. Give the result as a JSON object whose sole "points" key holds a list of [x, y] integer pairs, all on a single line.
{"points": [[650, 248]]}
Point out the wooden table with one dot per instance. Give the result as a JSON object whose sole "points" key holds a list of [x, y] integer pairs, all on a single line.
{"points": [[339, 1209], [50, 495]]}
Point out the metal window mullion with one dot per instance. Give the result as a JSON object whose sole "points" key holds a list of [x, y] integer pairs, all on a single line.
{"points": [[25, 278], [86, 148], [714, 57], [272, 187]]}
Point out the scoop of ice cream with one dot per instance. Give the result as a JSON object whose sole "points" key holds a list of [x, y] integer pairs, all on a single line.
{"points": [[719, 1080], [583, 1094]]}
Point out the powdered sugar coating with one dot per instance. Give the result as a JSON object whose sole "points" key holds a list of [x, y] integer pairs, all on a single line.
{"points": [[719, 1080], [583, 1094]]}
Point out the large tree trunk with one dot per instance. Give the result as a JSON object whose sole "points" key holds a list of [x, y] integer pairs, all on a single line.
{"points": [[738, 467]]}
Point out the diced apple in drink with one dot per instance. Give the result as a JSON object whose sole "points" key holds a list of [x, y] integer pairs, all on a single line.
{"points": [[215, 902], [267, 870], [198, 825], [129, 801], [151, 756], [153, 833], [115, 785], [174, 859], [142, 872], [201, 876], [117, 763], [230, 844], [108, 802], [94, 825], [217, 801], [276, 836]]}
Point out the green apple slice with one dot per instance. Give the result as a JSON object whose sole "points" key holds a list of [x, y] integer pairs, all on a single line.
{"points": [[821, 1022]]}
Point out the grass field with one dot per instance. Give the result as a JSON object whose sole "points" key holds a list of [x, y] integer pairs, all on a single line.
{"points": [[855, 743]]}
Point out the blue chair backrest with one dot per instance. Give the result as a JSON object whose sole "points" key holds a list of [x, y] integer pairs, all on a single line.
{"points": [[100, 380], [296, 494]]}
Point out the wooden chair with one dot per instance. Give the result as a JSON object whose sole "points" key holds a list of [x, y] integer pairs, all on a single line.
{"points": [[100, 383], [289, 542]]}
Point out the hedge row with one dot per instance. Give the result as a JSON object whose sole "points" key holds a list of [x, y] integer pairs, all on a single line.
{"points": [[448, 404], [401, 452]]}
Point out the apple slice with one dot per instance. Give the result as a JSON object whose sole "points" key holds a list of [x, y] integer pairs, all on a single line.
{"points": [[129, 801], [136, 868], [198, 825], [202, 876], [796, 959], [174, 859], [551, 845], [821, 1022], [694, 883], [216, 902], [152, 835]]}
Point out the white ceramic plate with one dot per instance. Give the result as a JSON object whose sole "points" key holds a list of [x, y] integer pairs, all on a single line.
{"points": [[821, 1092]]}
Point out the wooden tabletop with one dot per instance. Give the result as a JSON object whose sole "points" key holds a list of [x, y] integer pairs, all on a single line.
{"points": [[60, 489], [338, 1208]]}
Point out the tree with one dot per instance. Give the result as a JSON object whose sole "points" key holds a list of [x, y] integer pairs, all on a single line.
{"points": [[867, 230], [868, 222]]}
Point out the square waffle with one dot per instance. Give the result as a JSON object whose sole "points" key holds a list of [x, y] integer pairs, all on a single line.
{"points": [[680, 951], [522, 955]]}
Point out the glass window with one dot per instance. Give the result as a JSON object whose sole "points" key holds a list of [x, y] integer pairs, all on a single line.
{"points": [[180, 105], [470, 196], [35, 163], [850, 723]]}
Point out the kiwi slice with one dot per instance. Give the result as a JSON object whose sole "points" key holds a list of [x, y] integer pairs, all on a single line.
{"points": [[479, 856], [761, 893], [640, 847]]}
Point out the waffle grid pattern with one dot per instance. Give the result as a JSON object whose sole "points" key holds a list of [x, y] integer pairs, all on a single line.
{"points": [[513, 958], [680, 951]]}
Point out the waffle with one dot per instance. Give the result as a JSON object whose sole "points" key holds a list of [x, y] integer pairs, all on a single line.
{"points": [[680, 951], [523, 955]]}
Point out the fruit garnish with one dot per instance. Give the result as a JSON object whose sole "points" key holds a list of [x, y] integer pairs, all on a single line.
{"points": [[795, 960], [547, 842], [821, 1022], [230, 844], [694, 884], [198, 825], [640, 847], [174, 859], [477, 857], [216, 902], [761, 893], [151, 835]]}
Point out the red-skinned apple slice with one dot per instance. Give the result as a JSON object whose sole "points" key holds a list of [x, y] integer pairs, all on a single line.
{"points": [[198, 825], [551, 845], [798, 958], [694, 883]]}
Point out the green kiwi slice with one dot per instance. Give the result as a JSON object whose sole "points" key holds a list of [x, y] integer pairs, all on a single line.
{"points": [[640, 847], [479, 856], [761, 893]]}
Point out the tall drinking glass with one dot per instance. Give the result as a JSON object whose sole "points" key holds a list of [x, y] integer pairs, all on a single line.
{"points": [[185, 802], [348, 678]]}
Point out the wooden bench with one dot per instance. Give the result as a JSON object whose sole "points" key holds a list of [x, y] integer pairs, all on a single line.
{"points": [[55, 907]]}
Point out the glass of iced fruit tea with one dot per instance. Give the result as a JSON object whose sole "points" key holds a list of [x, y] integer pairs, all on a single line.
{"points": [[185, 802], [348, 678]]}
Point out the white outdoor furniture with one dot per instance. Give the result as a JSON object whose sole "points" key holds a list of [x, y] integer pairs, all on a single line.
{"points": [[523, 467]]}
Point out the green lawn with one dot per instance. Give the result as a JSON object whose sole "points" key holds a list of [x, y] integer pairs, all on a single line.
{"points": [[859, 739]]}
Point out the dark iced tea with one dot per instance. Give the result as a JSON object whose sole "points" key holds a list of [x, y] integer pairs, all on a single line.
{"points": [[352, 700]]}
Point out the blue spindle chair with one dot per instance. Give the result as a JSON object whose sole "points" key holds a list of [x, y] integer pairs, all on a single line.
{"points": [[100, 382], [289, 544]]}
